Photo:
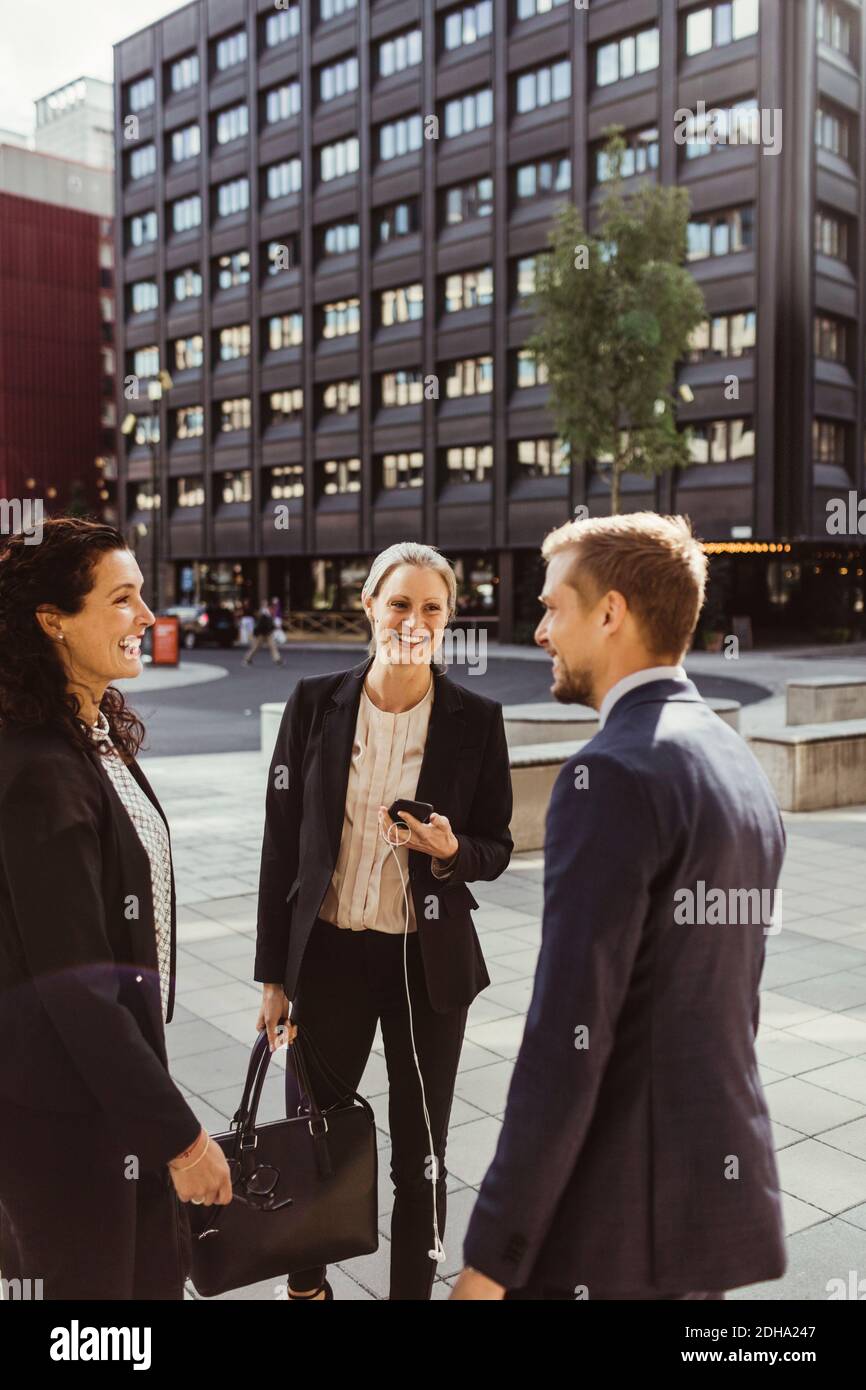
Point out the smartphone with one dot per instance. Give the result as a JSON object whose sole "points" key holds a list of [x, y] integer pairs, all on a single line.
{"points": [[421, 810]]}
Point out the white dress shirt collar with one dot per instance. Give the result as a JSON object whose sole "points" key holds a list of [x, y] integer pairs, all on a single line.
{"points": [[637, 678]]}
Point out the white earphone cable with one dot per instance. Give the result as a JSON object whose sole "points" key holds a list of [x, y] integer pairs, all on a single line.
{"points": [[438, 1251]]}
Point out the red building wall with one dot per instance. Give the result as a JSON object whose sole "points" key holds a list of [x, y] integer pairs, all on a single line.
{"points": [[50, 350]]}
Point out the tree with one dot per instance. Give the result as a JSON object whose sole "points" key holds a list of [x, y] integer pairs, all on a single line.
{"points": [[615, 314]]}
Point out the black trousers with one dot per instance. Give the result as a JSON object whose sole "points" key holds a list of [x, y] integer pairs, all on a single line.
{"points": [[349, 981], [71, 1217]]}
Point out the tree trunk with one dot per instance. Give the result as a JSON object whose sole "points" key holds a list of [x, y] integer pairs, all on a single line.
{"points": [[614, 490]]}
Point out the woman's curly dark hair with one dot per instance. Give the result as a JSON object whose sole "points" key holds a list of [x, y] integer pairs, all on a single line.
{"points": [[57, 571]]}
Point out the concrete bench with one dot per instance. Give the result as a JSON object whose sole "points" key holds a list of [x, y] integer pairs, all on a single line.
{"points": [[534, 769], [552, 722], [814, 766], [825, 699]]}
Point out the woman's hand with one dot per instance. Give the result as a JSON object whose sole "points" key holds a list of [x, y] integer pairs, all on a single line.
{"points": [[434, 837], [207, 1182], [273, 1015]]}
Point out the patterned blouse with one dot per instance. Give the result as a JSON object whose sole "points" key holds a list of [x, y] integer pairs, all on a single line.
{"points": [[152, 833]]}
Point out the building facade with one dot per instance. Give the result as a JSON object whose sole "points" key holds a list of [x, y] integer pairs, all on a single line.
{"points": [[76, 121], [57, 361], [328, 220]]}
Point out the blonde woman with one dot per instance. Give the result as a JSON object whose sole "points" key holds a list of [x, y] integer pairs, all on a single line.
{"points": [[336, 936]]}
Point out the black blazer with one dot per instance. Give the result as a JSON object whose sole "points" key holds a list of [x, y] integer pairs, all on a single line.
{"points": [[638, 1157], [80, 1015], [464, 773]]}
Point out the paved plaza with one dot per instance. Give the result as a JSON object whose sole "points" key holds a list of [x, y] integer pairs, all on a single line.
{"points": [[812, 1041]]}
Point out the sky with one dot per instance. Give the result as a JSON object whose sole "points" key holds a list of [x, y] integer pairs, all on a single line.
{"points": [[46, 43]]}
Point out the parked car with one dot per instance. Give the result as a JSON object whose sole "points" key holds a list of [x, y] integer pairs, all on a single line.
{"points": [[204, 624]]}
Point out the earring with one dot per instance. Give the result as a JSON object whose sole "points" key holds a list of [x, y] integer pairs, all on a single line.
{"points": [[60, 637]]}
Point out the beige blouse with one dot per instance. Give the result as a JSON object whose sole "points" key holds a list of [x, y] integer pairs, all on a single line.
{"points": [[365, 891]]}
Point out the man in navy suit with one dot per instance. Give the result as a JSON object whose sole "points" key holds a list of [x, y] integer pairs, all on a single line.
{"points": [[635, 1159]]}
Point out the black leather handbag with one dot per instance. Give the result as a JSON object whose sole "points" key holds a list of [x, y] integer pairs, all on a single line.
{"points": [[305, 1188]]}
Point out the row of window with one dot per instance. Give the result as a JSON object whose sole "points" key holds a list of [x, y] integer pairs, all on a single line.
{"points": [[704, 27], [715, 441], [459, 203]]}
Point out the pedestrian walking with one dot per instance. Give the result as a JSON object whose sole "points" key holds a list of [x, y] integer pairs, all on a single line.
{"points": [[263, 636]]}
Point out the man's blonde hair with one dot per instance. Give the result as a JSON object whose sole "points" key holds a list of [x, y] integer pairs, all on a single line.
{"points": [[653, 561]]}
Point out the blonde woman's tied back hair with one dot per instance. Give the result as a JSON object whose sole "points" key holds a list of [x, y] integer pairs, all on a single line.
{"points": [[409, 553]]}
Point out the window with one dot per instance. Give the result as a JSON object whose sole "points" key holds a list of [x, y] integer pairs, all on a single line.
{"points": [[641, 154], [714, 26], [469, 463], [142, 228], [232, 270], [828, 442], [147, 432], [188, 353], [332, 9], [468, 200], [235, 487], [142, 162], [529, 371], [527, 8], [834, 26], [339, 397], [234, 342], [710, 130], [231, 50], [281, 255], [143, 296], [285, 331], [145, 362], [234, 415], [545, 176], [184, 73], [189, 424], [401, 305], [340, 475], [339, 238], [285, 407], [469, 112], [233, 197], [396, 220], [472, 376], [631, 54], [469, 289], [282, 26], [232, 124], [186, 284], [831, 339], [185, 144], [720, 234], [339, 159], [525, 272], [467, 25], [337, 79], [832, 131], [190, 491], [723, 335], [541, 86], [283, 179], [831, 235], [186, 213], [341, 318], [400, 137], [722, 441], [540, 458], [401, 388], [281, 103], [141, 94], [402, 470], [286, 482], [400, 52]]}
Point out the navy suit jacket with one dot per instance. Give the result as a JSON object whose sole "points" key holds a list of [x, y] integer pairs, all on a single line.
{"points": [[636, 1155]]}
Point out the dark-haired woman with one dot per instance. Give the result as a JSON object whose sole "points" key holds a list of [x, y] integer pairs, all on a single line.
{"points": [[97, 1143]]}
